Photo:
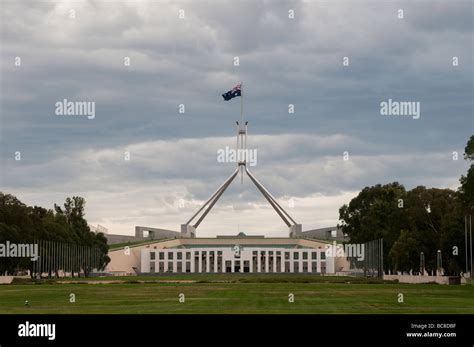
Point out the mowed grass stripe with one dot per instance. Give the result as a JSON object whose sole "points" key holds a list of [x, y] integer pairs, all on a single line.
{"points": [[236, 298]]}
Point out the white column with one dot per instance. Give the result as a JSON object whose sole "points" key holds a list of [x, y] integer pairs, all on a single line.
{"points": [[259, 265], [274, 261], [232, 266], [200, 261], [192, 262], [267, 261], [310, 269], [282, 261], [215, 260], [183, 259], [175, 261], [251, 263], [208, 261], [300, 260], [166, 262], [318, 261]]}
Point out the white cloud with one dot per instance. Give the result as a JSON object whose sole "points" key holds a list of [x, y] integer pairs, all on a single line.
{"points": [[147, 189]]}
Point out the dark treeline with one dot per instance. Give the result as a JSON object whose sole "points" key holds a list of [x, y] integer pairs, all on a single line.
{"points": [[410, 222], [22, 224]]}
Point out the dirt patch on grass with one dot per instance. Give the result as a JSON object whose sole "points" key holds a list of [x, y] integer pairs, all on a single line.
{"points": [[125, 282]]}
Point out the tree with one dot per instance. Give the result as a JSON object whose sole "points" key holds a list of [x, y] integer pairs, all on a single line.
{"points": [[16, 227], [467, 182], [25, 224], [410, 222], [405, 252], [375, 213], [469, 149], [74, 214], [435, 221]]}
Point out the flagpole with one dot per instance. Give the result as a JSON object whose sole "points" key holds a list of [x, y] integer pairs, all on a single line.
{"points": [[242, 102], [241, 124], [470, 234]]}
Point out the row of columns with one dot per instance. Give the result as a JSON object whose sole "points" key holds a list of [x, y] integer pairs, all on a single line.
{"points": [[265, 267], [283, 261]]}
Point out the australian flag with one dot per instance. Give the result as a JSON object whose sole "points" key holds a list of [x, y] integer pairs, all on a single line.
{"points": [[236, 91]]}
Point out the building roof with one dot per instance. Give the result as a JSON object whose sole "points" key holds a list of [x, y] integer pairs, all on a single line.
{"points": [[212, 242]]}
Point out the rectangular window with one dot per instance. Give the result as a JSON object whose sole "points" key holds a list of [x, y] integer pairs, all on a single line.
{"points": [[188, 255], [323, 255], [170, 256], [296, 256], [228, 266], [180, 255], [305, 255], [152, 255], [152, 267], [313, 255], [162, 255], [246, 266]]}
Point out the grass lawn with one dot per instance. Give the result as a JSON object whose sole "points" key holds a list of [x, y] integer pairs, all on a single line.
{"points": [[234, 293]]}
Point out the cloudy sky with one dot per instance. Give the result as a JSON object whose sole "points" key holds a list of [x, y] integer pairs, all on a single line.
{"points": [[76, 50]]}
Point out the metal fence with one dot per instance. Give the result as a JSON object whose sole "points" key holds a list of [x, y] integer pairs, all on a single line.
{"points": [[62, 259], [372, 263]]}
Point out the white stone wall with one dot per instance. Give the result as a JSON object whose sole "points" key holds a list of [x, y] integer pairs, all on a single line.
{"points": [[414, 279]]}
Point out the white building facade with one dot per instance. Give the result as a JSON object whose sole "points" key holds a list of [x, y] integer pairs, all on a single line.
{"points": [[236, 258]]}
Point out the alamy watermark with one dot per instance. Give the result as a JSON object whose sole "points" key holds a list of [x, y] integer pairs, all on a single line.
{"points": [[230, 155], [75, 108], [19, 250], [37, 330], [348, 250], [400, 108]]}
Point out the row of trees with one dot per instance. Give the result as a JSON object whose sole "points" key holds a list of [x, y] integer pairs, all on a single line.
{"points": [[24, 224], [414, 221]]}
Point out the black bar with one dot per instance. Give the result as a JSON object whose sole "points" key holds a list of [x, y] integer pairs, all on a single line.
{"points": [[336, 330]]}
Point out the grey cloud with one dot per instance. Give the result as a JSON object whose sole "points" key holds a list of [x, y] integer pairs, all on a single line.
{"points": [[189, 61]]}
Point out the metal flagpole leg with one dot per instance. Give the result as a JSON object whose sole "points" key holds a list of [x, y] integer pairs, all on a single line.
{"points": [[212, 196], [269, 198], [270, 195], [222, 190]]}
